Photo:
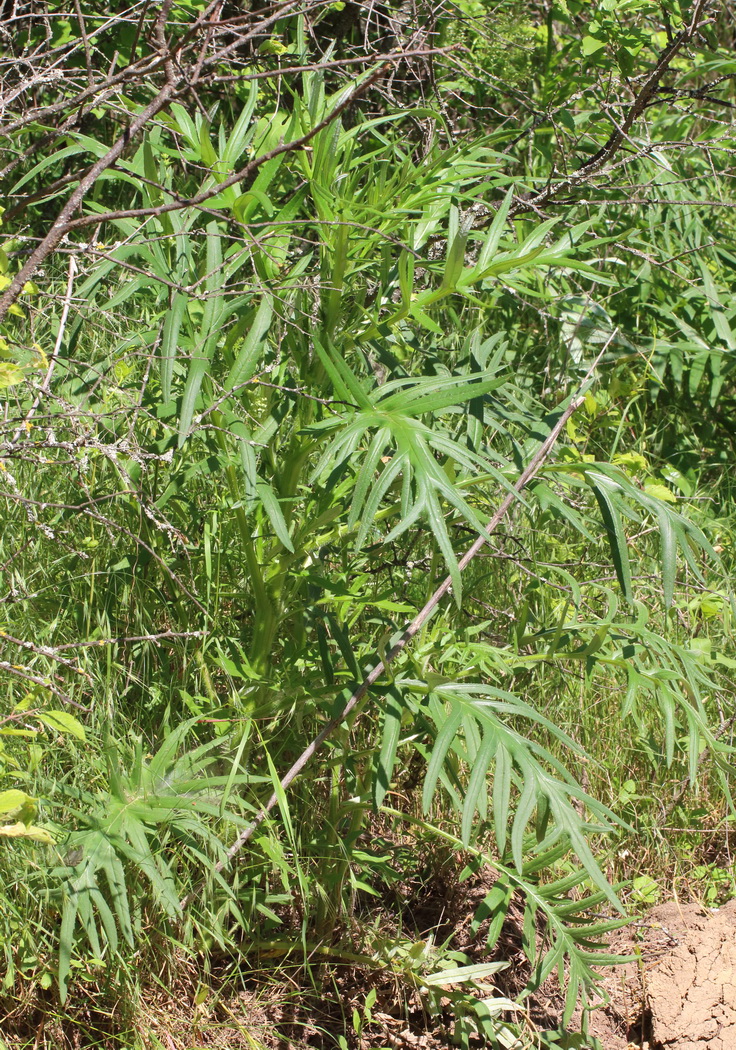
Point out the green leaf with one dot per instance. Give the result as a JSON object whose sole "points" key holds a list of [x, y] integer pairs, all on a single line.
{"points": [[455, 257], [614, 531], [274, 513], [543, 777], [10, 375], [242, 131], [170, 342], [15, 803], [461, 974], [63, 722], [477, 789], [448, 729], [66, 943], [251, 350], [591, 45], [435, 395], [493, 237], [347, 385], [659, 491], [389, 743], [669, 558], [80, 148], [208, 333]]}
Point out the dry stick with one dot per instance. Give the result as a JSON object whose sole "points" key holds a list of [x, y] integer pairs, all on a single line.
{"points": [[43, 650], [85, 42], [42, 141], [592, 166], [642, 100], [128, 639], [150, 64], [23, 673], [417, 623], [141, 69]]}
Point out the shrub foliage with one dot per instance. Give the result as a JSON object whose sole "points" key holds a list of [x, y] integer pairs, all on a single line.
{"points": [[307, 308]]}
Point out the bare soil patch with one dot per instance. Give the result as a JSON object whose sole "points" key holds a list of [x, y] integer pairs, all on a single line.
{"points": [[680, 994]]}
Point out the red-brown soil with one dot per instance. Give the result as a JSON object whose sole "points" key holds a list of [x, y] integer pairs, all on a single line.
{"points": [[681, 993]]}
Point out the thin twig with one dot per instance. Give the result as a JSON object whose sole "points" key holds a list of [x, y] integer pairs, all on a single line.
{"points": [[22, 672], [43, 650], [129, 639], [238, 176], [85, 42], [59, 227]]}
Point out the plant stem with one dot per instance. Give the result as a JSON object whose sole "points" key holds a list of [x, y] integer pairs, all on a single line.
{"points": [[419, 620]]}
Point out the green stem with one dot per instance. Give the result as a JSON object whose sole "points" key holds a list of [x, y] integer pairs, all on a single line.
{"points": [[263, 610]]}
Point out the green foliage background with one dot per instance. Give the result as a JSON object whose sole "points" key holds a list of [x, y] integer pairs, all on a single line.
{"points": [[243, 442]]}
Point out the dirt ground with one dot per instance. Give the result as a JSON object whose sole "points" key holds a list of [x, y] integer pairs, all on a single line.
{"points": [[681, 993]]}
